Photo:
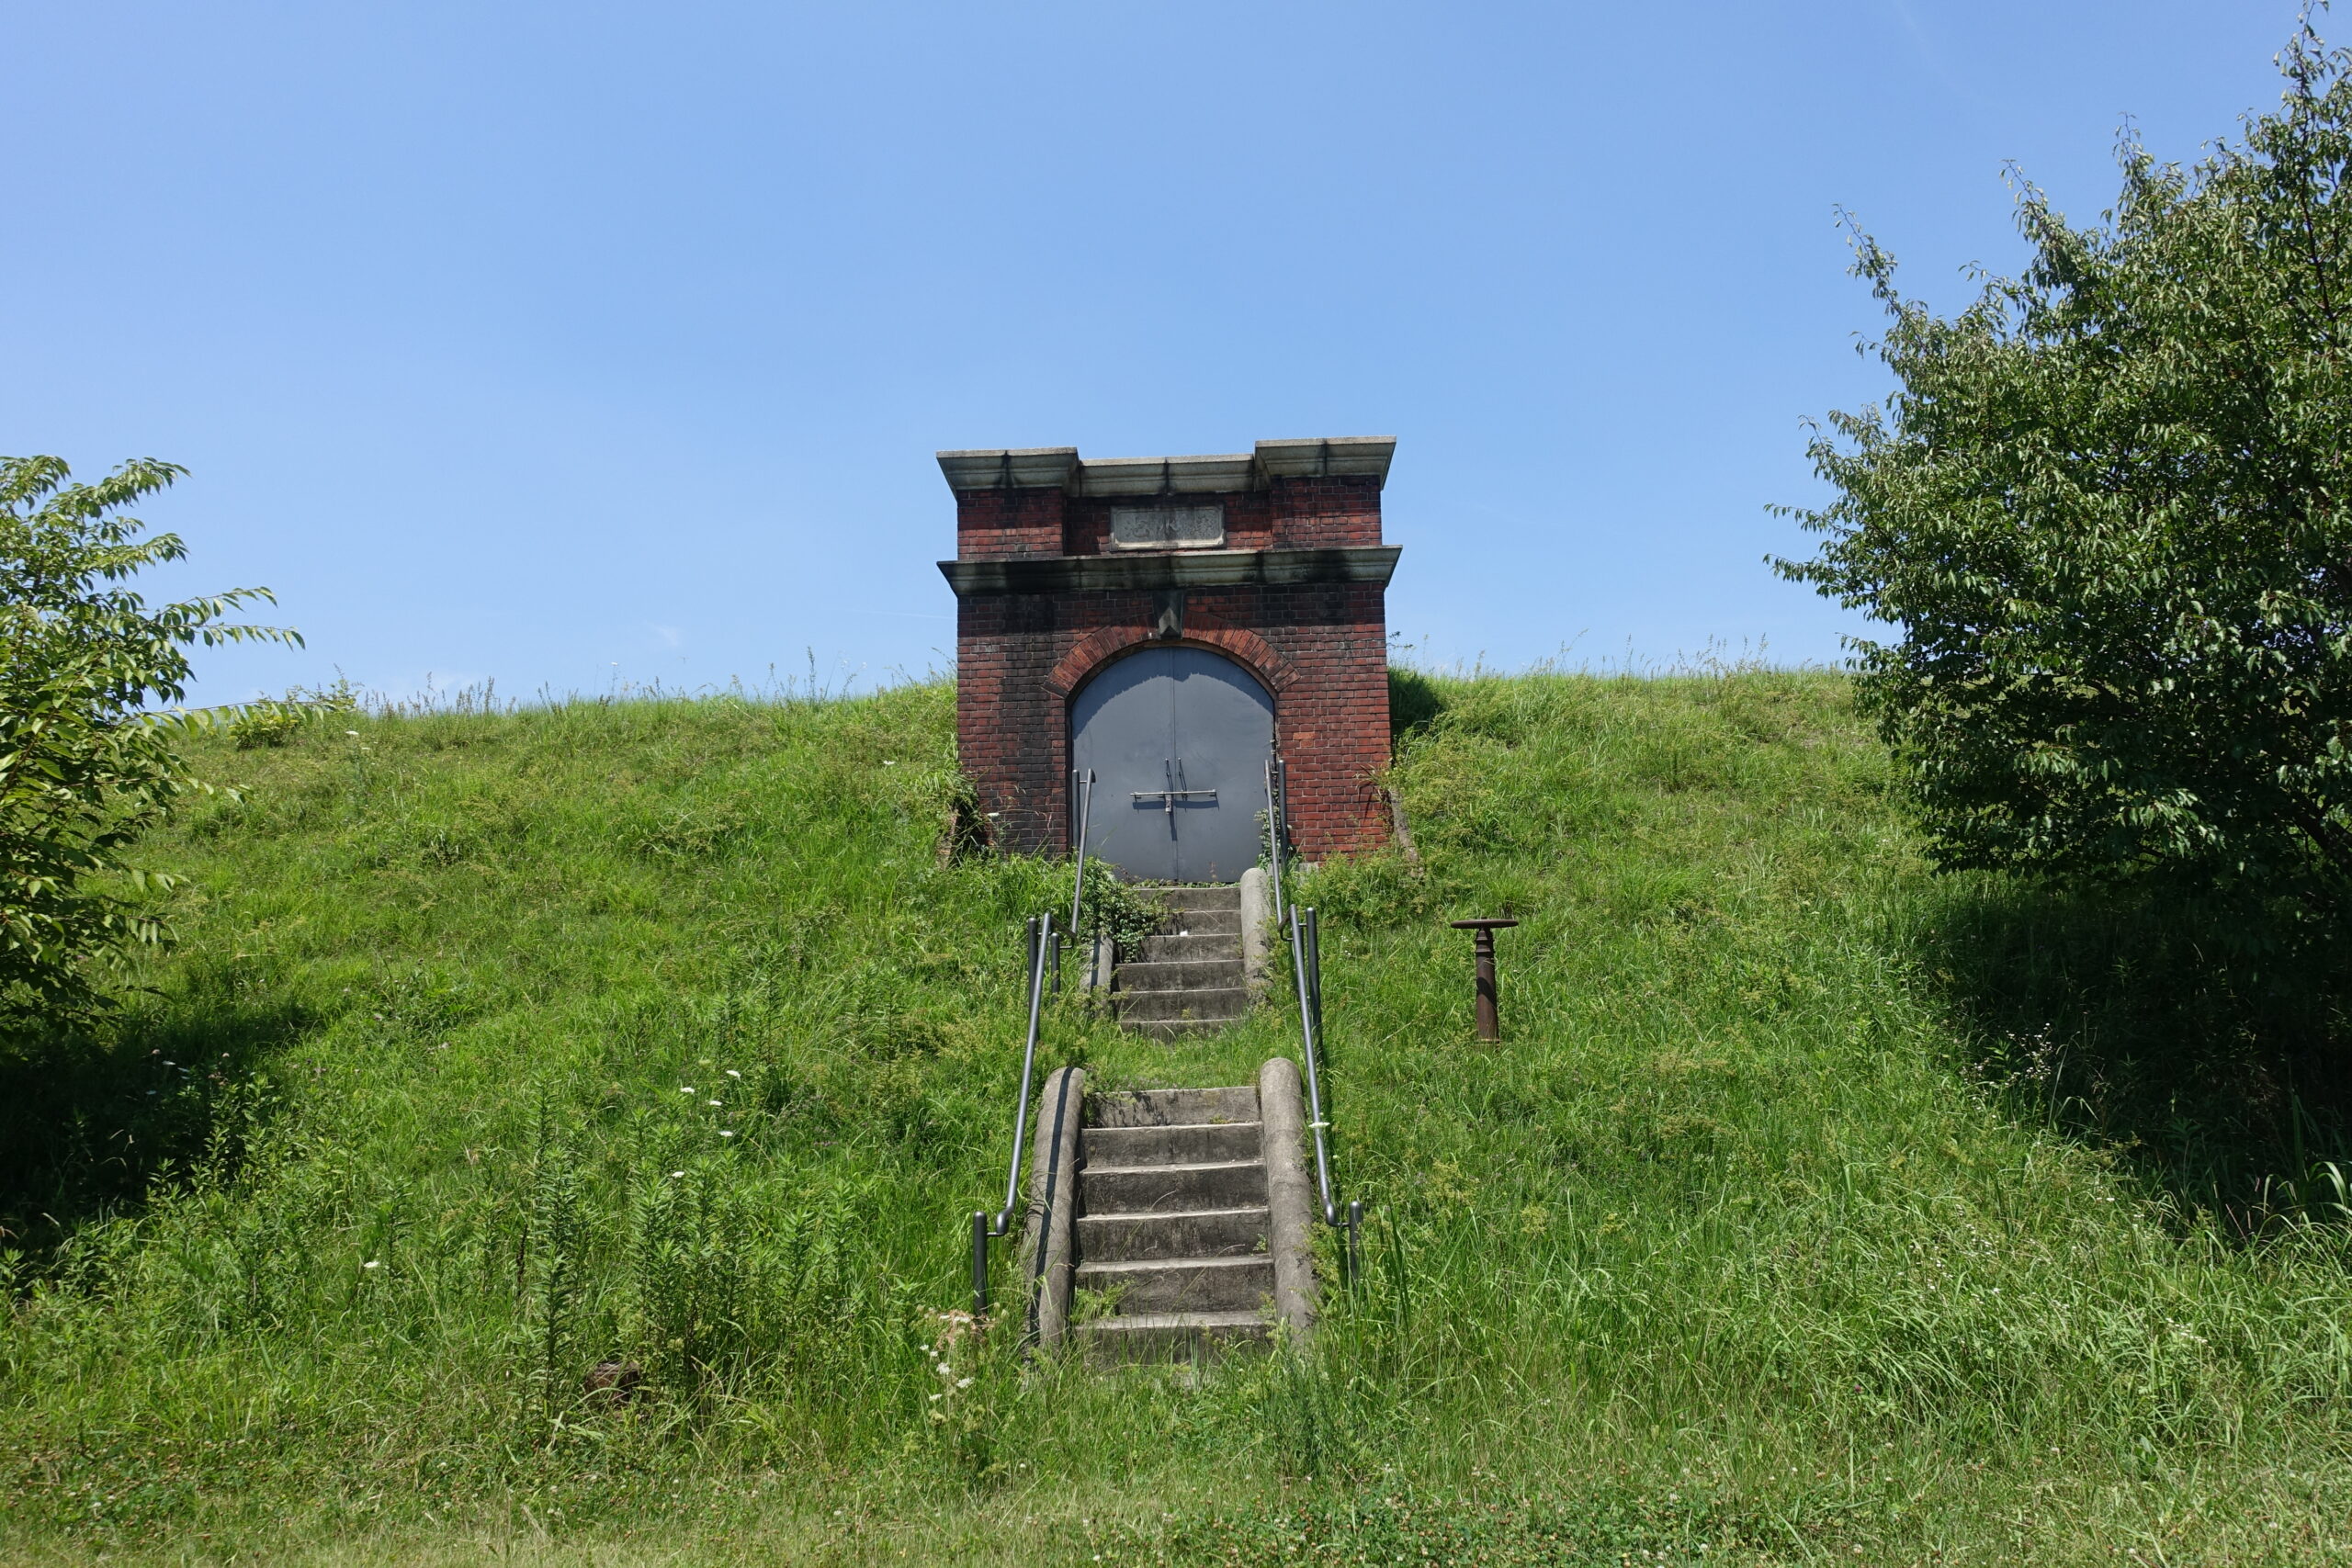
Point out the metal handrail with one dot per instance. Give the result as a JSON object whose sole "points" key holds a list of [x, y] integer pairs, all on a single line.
{"points": [[1082, 781], [1306, 968], [1275, 827], [984, 1226]]}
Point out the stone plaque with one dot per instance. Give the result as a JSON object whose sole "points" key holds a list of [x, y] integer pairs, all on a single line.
{"points": [[1167, 527]]}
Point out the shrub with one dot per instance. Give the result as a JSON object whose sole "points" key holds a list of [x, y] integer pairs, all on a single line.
{"points": [[86, 762], [2107, 510]]}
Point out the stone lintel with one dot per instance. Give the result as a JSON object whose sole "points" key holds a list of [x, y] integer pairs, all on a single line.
{"points": [[1188, 569]]}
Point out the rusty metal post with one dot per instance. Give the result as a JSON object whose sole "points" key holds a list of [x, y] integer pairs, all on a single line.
{"points": [[1490, 1026]]}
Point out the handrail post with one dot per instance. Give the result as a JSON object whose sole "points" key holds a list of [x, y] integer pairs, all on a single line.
{"points": [[979, 1264]]}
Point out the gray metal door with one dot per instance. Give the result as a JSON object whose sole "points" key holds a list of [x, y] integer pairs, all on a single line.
{"points": [[1178, 738]]}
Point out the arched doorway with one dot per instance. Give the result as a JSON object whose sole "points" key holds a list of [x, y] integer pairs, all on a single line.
{"points": [[1178, 738]]}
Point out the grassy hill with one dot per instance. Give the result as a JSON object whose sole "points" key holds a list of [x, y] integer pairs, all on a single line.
{"points": [[1812, 1208]]}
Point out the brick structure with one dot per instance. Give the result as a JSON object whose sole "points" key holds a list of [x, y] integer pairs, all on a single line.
{"points": [[1272, 558]]}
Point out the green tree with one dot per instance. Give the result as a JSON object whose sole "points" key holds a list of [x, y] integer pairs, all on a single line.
{"points": [[89, 757], [2107, 510]]}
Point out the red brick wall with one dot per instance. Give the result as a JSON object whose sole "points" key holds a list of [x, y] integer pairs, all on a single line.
{"points": [[991, 523], [1292, 514], [1321, 513], [1321, 649]]}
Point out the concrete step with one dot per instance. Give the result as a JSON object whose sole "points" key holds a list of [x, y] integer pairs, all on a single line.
{"points": [[1171, 1107], [1142, 1287], [1188, 899], [1186, 975], [1143, 1189], [1179, 949], [1177, 1233], [1170, 1145], [1219, 1005], [1171, 1336], [1226, 923], [1175, 1027]]}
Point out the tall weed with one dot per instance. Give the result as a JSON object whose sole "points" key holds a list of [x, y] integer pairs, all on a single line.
{"points": [[739, 1285], [553, 1262]]}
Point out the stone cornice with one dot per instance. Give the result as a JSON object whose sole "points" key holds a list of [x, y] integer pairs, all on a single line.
{"points": [[1060, 468], [1027, 468], [1175, 568], [1341, 456]]}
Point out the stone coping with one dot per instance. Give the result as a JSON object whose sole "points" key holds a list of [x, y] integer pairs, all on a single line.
{"points": [[1060, 468]]}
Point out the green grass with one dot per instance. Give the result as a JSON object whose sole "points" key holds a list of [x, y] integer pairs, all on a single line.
{"points": [[1812, 1208]]}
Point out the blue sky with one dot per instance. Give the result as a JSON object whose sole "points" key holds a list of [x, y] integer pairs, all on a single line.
{"points": [[568, 344]]}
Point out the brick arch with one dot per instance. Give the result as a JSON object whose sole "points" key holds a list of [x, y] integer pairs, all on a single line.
{"points": [[1245, 648]]}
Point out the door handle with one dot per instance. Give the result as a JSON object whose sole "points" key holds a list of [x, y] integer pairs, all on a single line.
{"points": [[1174, 770]]}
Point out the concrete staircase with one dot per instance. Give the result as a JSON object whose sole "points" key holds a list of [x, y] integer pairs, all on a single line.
{"points": [[1182, 1230], [1190, 977], [1172, 1224]]}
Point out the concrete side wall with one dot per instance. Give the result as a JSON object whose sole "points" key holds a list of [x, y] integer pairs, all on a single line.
{"points": [[1290, 1195], [1257, 925], [1047, 1251]]}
